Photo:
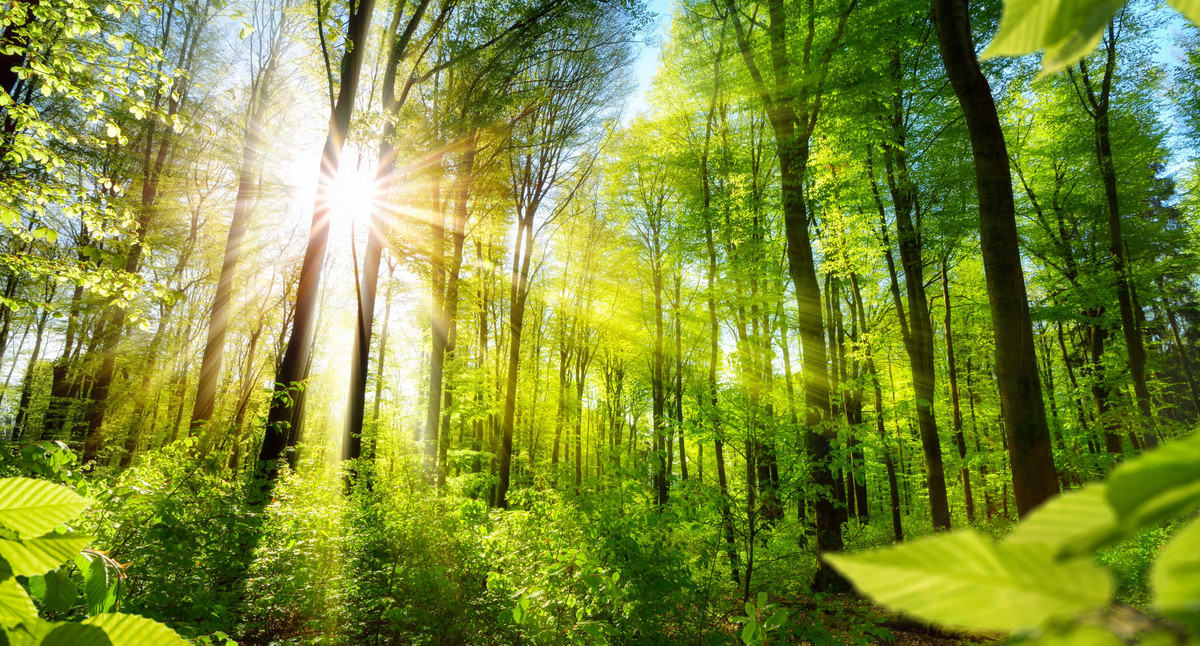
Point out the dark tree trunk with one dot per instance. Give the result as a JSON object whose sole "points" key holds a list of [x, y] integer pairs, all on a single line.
{"points": [[1034, 478], [293, 369], [377, 232], [1097, 105], [522, 252]]}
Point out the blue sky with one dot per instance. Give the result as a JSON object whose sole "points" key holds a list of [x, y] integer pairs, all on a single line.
{"points": [[647, 60]]}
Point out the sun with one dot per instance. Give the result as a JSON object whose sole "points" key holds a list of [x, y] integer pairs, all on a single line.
{"points": [[354, 193]]}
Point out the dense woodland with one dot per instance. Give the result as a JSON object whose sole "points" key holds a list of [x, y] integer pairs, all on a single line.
{"points": [[425, 321]]}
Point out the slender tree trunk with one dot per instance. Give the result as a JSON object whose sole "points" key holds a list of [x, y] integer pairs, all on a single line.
{"points": [[952, 374], [376, 234], [677, 303], [1183, 360], [243, 205], [22, 418], [382, 356], [522, 252], [1097, 105], [1100, 392], [658, 394]]}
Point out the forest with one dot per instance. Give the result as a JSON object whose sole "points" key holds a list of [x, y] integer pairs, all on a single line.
{"points": [[599, 322]]}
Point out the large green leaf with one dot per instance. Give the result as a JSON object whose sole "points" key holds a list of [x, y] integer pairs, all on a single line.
{"points": [[1176, 576], [76, 634], [33, 507], [1156, 486], [114, 629], [965, 579], [1067, 30], [15, 605], [1072, 524], [1189, 8], [40, 555], [29, 633]]}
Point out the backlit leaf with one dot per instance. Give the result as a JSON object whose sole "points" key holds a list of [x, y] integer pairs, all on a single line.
{"points": [[1066, 30], [1189, 8], [33, 507], [40, 555], [114, 629], [964, 579], [1071, 524], [15, 605], [1156, 486]]}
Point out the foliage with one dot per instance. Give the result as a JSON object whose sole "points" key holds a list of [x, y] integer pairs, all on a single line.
{"points": [[1041, 576], [35, 565], [1068, 30]]}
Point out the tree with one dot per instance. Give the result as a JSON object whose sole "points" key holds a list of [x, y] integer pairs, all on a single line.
{"points": [[1024, 414], [793, 108], [293, 367]]}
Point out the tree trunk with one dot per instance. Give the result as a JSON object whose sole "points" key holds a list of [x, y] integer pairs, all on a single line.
{"points": [[658, 396], [293, 369], [243, 205], [1034, 479], [522, 252], [952, 373], [27, 384], [1097, 105]]}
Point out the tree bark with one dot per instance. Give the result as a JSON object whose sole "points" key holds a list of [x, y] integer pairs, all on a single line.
{"points": [[293, 369], [1034, 479]]}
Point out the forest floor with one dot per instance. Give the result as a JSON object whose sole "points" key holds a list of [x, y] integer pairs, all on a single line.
{"points": [[852, 620]]}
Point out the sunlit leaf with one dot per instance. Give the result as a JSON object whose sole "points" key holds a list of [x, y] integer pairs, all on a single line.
{"points": [[33, 507], [114, 629], [964, 579], [40, 555], [1158, 485], [1071, 524], [15, 604], [1189, 8], [1066, 30]]}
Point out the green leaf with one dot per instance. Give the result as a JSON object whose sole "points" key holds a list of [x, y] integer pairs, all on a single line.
{"points": [[33, 507], [15, 606], [1158, 485], [1189, 8], [750, 633], [114, 629], [521, 611], [54, 590], [40, 555], [964, 579], [29, 633], [1071, 524], [777, 619], [1175, 578], [1067, 30], [99, 594]]}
